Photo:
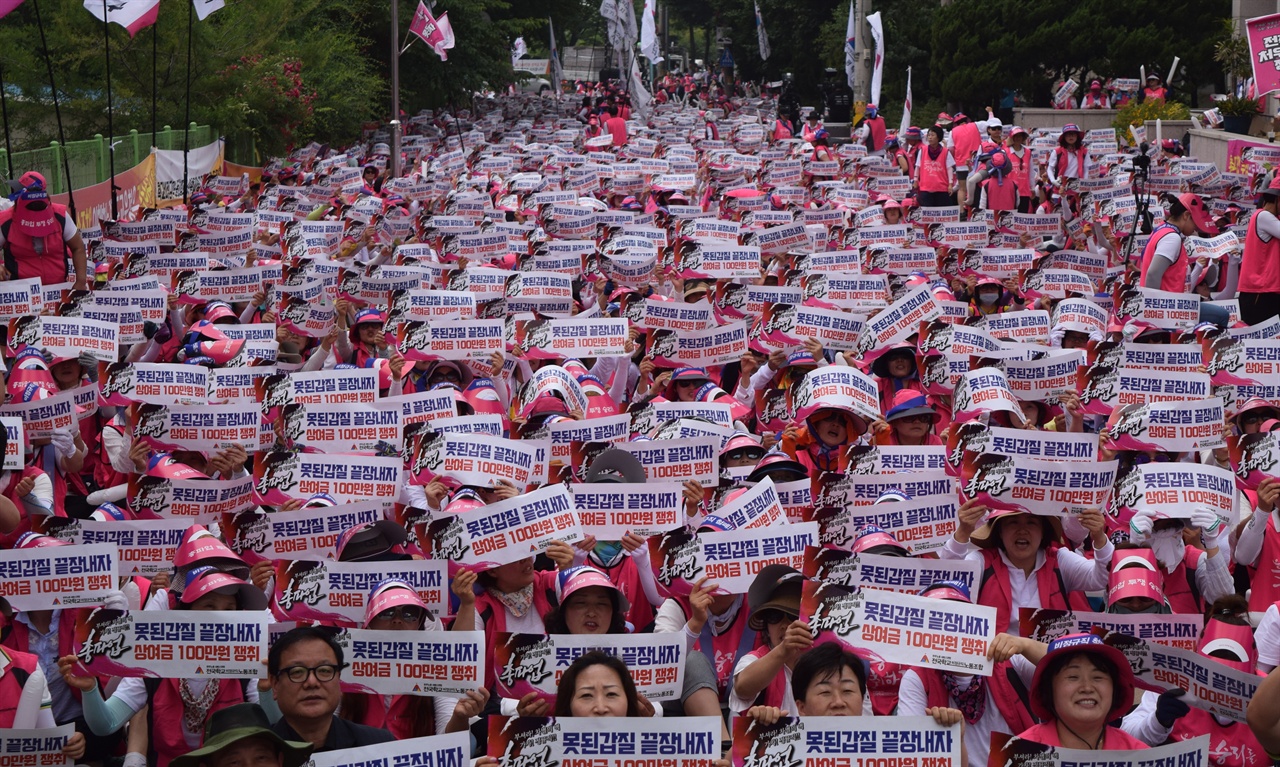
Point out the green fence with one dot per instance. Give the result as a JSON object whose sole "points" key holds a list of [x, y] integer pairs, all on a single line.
{"points": [[89, 162]]}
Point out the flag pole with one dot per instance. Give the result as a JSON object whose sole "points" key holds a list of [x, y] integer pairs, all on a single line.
{"points": [[394, 166], [57, 111], [186, 120], [155, 79], [4, 111], [111, 131]]}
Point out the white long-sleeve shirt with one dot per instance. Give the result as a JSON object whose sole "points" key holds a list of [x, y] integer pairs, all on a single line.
{"points": [[912, 701], [1142, 724], [35, 705], [1078, 573]]}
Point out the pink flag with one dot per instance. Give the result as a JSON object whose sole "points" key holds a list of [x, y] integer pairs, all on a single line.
{"points": [[130, 14], [435, 33], [6, 6]]}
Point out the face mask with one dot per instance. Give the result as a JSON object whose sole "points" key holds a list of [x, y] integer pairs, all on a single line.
{"points": [[988, 299], [1169, 549], [607, 552]]}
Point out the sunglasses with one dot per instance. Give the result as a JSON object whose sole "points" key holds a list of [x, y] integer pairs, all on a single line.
{"points": [[405, 614]]}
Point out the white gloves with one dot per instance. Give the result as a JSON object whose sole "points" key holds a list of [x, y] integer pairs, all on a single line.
{"points": [[64, 441], [1208, 521], [114, 599], [1140, 525]]}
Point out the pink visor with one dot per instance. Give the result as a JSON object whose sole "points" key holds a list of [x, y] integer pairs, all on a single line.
{"points": [[389, 594], [1135, 582], [198, 545]]}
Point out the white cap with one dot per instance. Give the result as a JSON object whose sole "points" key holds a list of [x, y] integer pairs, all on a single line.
{"points": [[994, 122]]}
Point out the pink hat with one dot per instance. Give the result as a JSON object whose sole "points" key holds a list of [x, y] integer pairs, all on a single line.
{"points": [[206, 580], [1199, 212], [873, 536], [200, 545], [388, 594], [584, 576], [892, 204], [31, 540], [166, 466]]}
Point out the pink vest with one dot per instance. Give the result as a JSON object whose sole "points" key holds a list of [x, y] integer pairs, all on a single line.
{"points": [[1001, 197], [494, 613], [1060, 155], [776, 691], [1175, 277], [626, 576], [933, 173], [965, 140], [1114, 739], [1021, 170], [1094, 102], [167, 707], [875, 134], [1014, 708], [20, 668], [48, 260], [1264, 578], [1260, 264], [1230, 745], [1177, 586], [996, 592]]}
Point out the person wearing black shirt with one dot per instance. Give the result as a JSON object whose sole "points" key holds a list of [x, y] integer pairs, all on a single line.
{"points": [[304, 666]]}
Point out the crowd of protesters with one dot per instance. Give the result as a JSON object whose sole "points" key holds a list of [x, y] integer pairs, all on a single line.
{"points": [[648, 170]]}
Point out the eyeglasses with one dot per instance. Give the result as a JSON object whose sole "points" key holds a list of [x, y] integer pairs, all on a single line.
{"points": [[1249, 419], [325, 672], [770, 617], [405, 614]]}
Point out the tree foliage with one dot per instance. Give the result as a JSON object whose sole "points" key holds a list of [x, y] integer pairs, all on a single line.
{"points": [[982, 46], [288, 71]]}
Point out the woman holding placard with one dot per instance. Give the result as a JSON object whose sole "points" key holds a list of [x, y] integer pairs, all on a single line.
{"points": [[1080, 684]]}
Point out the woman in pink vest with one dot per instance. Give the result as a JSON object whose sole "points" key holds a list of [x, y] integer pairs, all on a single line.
{"points": [[935, 179], [395, 606], [591, 604], [1193, 577], [178, 708], [1163, 718], [1020, 162], [1080, 684], [1025, 560], [515, 598], [1258, 548], [996, 703], [1260, 264], [1070, 157], [1164, 260]]}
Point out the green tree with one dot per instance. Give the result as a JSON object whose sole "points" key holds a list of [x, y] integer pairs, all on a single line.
{"points": [[257, 68]]}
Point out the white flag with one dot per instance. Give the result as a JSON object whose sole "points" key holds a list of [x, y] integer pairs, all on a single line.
{"points": [[130, 14], [557, 69], [649, 47], [877, 72], [906, 110], [640, 97], [518, 50], [761, 36], [206, 7], [850, 48]]}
